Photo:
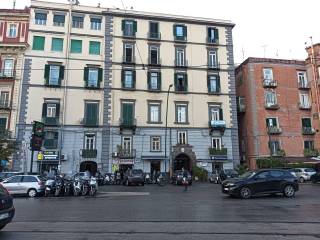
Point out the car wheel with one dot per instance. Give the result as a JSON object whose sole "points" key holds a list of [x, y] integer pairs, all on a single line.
{"points": [[301, 179], [245, 193], [289, 191], [32, 193]]}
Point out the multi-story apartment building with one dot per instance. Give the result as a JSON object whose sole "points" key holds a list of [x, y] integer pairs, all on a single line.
{"points": [[63, 86], [154, 58], [274, 108], [100, 78], [14, 25]]}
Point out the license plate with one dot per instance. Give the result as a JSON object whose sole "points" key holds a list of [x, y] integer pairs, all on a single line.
{"points": [[226, 189], [4, 216]]}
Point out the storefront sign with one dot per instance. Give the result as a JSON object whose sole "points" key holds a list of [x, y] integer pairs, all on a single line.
{"points": [[126, 161], [224, 158], [50, 155]]}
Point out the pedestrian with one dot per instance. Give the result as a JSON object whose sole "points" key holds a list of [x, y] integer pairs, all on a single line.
{"points": [[185, 179]]}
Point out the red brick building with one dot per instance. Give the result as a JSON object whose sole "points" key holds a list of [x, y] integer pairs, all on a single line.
{"points": [[275, 111], [14, 28]]}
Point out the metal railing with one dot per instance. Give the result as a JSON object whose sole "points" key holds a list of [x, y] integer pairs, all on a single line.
{"points": [[89, 153], [274, 130], [126, 153], [308, 131], [218, 152], [270, 83]]}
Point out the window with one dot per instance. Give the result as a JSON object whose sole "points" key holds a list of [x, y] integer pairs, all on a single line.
{"points": [[155, 144], [14, 179], [92, 77], [127, 145], [50, 140], [154, 112], [38, 43], [274, 147], [213, 35], [40, 18], [8, 67], [181, 82], [213, 83], [50, 112], [154, 55], [182, 137], [127, 113], [58, 20], [216, 143], [306, 122], [57, 44], [309, 145], [212, 59], [129, 28], [180, 57], [95, 23], [270, 98], [304, 100], [154, 30], [90, 141], [302, 79], [154, 80], [276, 174], [29, 179], [268, 74], [76, 46], [12, 31], [4, 99], [77, 22], [91, 113], [51, 109], [215, 113], [262, 175], [3, 124], [128, 78], [181, 113], [94, 48], [128, 53], [53, 74], [180, 32]]}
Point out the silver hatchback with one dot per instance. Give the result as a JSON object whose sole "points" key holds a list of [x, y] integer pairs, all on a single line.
{"points": [[32, 185]]}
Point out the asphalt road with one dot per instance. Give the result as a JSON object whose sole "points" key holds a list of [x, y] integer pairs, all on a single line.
{"points": [[167, 213]]}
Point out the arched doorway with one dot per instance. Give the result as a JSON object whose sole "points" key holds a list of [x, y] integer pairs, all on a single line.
{"points": [[182, 161], [89, 166]]}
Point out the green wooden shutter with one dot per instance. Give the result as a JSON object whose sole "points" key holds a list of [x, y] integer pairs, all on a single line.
{"points": [[174, 30], [76, 46], [185, 32], [127, 113], [46, 73], [91, 114], [94, 48], [186, 81], [216, 34], [100, 74], [57, 110], [209, 34], [122, 78], [3, 124], [176, 82], [149, 80], [218, 83], [135, 26], [86, 75], [134, 79], [123, 25], [159, 80], [61, 74], [220, 113], [38, 43], [208, 83], [44, 110]]}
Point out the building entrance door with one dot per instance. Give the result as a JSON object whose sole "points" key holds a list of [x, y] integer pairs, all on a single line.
{"points": [[182, 161]]}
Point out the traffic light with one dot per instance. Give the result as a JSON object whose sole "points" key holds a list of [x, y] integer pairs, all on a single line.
{"points": [[37, 136]]}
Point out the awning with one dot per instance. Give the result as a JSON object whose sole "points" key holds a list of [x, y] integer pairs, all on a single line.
{"points": [[153, 158]]}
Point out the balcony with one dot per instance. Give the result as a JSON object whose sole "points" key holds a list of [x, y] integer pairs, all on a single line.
{"points": [[5, 105], [130, 124], [181, 63], [308, 131], [154, 62], [310, 152], [129, 60], [88, 153], [214, 66], [7, 73], [217, 124], [50, 121], [304, 106], [5, 134], [279, 153], [271, 106], [270, 83], [154, 35], [92, 122], [218, 152], [129, 33], [181, 89], [212, 40], [274, 130], [304, 85], [125, 153], [50, 143]]}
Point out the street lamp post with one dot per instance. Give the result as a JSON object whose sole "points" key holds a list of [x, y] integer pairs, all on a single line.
{"points": [[165, 131]]}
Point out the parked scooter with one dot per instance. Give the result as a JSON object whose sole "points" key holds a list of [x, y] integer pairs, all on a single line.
{"points": [[50, 187], [160, 180], [59, 189], [147, 179], [93, 186], [77, 186]]}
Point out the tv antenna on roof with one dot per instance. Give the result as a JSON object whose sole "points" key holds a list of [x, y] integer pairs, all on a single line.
{"points": [[14, 4], [264, 49]]}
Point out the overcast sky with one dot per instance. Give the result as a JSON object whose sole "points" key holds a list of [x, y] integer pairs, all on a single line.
{"points": [[273, 28]]}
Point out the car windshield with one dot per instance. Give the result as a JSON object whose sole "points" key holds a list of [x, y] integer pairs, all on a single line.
{"points": [[309, 170], [247, 174], [230, 171]]}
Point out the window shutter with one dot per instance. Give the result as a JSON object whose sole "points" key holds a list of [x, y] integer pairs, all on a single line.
{"points": [[56, 135], [57, 110], [176, 81], [122, 78], [149, 80], [123, 25], [209, 34], [220, 113], [174, 30], [216, 34], [218, 84], [208, 83], [61, 74], [133, 78], [44, 109], [46, 73], [159, 81], [186, 81], [86, 75], [185, 31], [135, 26], [100, 74]]}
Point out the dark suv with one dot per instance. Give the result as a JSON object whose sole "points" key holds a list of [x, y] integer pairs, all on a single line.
{"points": [[6, 207], [133, 176], [269, 181]]}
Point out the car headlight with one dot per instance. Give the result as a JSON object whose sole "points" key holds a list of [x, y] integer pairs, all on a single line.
{"points": [[230, 185]]}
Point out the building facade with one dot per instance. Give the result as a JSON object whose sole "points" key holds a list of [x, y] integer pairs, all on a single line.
{"points": [[274, 111], [155, 58], [14, 25], [63, 87], [100, 78]]}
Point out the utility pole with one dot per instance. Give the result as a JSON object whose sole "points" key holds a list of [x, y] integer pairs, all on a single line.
{"points": [[165, 132]]}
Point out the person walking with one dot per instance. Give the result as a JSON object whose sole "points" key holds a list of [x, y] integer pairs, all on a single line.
{"points": [[185, 179]]}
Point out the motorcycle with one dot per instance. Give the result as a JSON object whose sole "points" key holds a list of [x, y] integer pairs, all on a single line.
{"points": [[85, 187], [160, 180], [93, 186], [67, 187], [147, 179], [59, 187], [49, 187], [77, 186]]}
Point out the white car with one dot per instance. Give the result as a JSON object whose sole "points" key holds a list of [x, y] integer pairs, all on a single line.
{"points": [[304, 174]]}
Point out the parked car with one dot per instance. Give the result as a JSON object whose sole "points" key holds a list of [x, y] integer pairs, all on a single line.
{"points": [[177, 177], [315, 177], [303, 174], [5, 175], [32, 185], [6, 207], [133, 177], [270, 181], [214, 177]]}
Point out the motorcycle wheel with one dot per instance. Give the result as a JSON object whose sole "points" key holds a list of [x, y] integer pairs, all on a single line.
{"points": [[75, 193], [46, 193], [84, 191], [57, 193]]}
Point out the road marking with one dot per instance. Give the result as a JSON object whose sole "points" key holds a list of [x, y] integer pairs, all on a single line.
{"points": [[100, 194]]}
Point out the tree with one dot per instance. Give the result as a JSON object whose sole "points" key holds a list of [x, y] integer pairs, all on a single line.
{"points": [[7, 148]]}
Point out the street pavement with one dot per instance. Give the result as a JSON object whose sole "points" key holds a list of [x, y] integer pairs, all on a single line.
{"points": [[167, 213]]}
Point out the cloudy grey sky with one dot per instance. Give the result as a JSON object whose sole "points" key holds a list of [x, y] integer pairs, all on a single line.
{"points": [[273, 28]]}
